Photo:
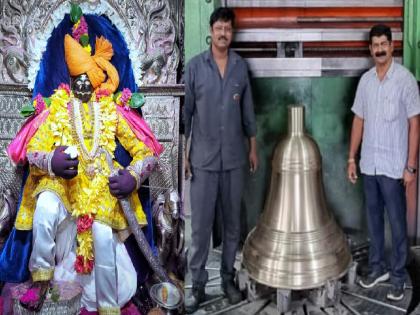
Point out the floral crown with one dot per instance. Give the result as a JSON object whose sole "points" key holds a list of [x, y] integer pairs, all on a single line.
{"points": [[80, 27]]}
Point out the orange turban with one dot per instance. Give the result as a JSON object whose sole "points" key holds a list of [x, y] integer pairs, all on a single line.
{"points": [[79, 61]]}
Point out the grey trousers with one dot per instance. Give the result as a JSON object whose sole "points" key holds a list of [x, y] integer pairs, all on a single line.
{"points": [[206, 188]]}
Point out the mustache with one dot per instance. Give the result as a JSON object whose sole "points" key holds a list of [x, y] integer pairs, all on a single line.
{"points": [[380, 54], [223, 37]]}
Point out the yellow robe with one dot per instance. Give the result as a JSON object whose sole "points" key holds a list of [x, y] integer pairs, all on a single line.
{"points": [[82, 194]]}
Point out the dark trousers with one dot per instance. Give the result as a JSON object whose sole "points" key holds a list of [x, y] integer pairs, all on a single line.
{"points": [[382, 192], [206, 188]]}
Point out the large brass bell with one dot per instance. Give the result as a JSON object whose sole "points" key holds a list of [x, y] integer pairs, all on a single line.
{"points": [[296, 244]]}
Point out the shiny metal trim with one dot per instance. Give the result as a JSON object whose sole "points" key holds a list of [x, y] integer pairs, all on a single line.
{"points": [[285, 67], [313, 3], [309, 67], [147, 90], [378, 19], [306, 35], [163, 90]]}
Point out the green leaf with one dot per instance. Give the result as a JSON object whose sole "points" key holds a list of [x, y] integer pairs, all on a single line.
{"points": [[84, 40], [47, 101], [75, 12], [55, 294], [27, 110], [116, 96], [137, 100]]}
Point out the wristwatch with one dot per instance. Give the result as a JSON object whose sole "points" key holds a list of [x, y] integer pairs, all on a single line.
{"points": [[411, 170]]}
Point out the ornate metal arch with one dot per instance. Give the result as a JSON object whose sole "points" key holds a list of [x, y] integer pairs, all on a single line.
{"points": [[147, 25]]}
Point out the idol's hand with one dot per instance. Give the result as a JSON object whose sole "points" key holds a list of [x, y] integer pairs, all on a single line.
{"points": [[122, 185], [63, 165]]}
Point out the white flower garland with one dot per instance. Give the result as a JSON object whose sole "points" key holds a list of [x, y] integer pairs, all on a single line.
{"points": [[76, 119], [37, 50]]}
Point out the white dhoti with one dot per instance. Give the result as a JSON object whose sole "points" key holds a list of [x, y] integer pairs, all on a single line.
{"points": [[113, 281]]}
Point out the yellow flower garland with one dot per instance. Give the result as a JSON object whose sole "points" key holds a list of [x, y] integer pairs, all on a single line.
{"points": [[87, 200]]}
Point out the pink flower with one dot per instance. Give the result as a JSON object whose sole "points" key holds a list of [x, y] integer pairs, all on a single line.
{"points": [[81, 29], [77, 34], [82, 265], [65, 87], [40, 104], [84, 223], [84, 311], [83, 25], [130, 309], [102, 93], [125, 96], [31, 296]]}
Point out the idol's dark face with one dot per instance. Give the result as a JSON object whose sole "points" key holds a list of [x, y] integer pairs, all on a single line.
{"points": [[82, 88]]}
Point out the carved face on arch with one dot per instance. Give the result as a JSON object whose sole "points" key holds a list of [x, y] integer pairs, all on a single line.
{"points": [[82, 88]]}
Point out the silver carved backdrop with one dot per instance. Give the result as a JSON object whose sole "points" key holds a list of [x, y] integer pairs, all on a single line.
{"points": [[153, 31]]}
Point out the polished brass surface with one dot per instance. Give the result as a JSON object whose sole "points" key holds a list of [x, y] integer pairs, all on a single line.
{"points": [[296, 244]]}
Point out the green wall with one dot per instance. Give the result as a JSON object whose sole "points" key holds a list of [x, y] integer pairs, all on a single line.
{"points": [[197, 15], [412, 36]]}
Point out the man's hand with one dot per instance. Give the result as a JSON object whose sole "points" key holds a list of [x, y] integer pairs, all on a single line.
{"points": [[122, 185], [253, 157], [253, 161], [352, 172], [63, 165], [408, 178], [188, 173]]}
